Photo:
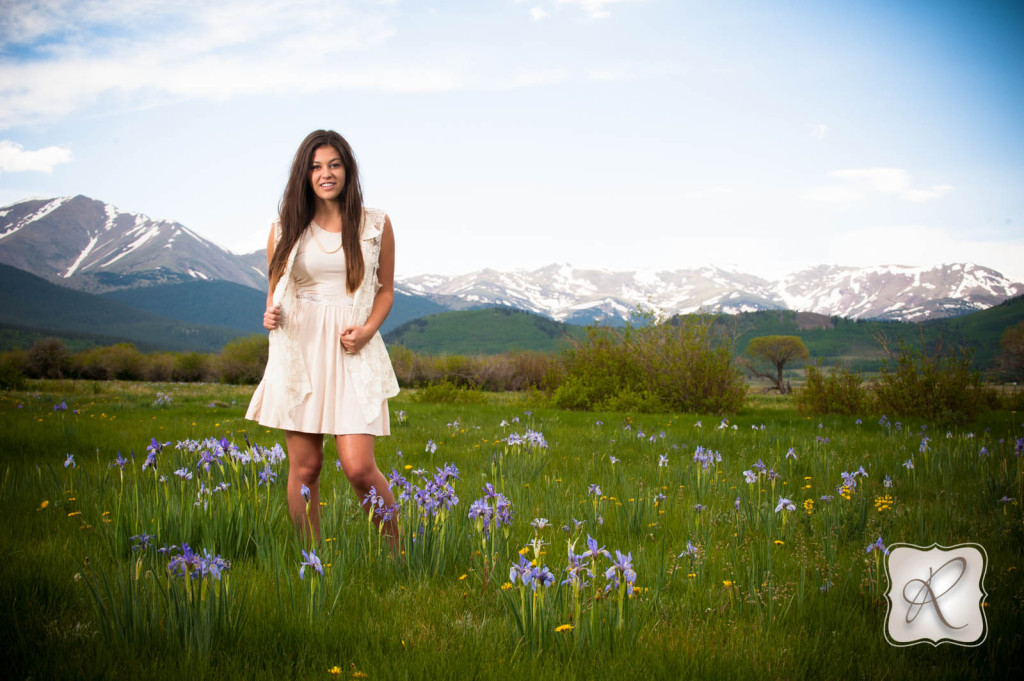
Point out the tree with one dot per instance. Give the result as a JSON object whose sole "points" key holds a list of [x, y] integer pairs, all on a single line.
{"points": [[1011, 359], [48, 358], [778, 351]]}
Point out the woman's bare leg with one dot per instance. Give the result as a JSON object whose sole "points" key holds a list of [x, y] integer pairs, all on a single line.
{"points": [[305, 457], [356, 455]]}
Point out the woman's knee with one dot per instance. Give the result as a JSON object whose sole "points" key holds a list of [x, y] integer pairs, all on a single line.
{"points": [[305, 457], [306, 471], [362, 474]]}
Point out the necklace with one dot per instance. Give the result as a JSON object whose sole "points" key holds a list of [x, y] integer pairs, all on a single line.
{"points": [[312, 230]]}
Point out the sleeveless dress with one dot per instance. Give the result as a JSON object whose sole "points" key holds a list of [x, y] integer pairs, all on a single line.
{"points": [[319, 308]]}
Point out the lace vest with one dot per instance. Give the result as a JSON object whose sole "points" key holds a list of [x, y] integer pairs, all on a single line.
{"points": [[369, 371]]}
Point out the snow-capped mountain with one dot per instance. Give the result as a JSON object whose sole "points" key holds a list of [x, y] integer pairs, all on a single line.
{"points": [[577, 295], [88, 245], [896, 291], [92, 246]]}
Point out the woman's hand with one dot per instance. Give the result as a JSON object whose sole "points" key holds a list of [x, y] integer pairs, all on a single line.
{"points": [[272, 318], [353, 338]]}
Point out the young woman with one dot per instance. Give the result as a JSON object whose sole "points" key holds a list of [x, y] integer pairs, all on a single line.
{"points": [[331, 268]]}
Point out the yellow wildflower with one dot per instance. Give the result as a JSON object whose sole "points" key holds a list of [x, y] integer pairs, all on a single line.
{"points": [[809, 506], [463, 577], [334, 670], [779, 542], [727, 583], [506, 586], [45, 503], [563, 627]]}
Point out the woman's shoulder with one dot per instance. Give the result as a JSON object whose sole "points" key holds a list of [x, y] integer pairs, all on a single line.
{"points": [[373, 222]]}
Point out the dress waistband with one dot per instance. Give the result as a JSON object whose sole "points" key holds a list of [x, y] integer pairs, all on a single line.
{"points": [[321, 299]]}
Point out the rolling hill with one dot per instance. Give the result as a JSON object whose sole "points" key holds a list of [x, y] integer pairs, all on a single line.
{"points": [[484, 331], [223, 303], [28, 302]]}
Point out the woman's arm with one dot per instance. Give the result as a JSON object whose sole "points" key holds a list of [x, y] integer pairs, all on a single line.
{"points": [[353, 338], [272, 315]]}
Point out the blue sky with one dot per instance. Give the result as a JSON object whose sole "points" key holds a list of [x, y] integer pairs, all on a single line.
{"points": [[621, 134]]}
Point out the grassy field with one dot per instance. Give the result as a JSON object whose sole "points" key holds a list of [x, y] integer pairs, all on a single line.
{"points": [[96, 582]]}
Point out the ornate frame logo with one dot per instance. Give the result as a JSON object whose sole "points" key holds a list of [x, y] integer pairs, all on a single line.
{"points": [[936, 595]]}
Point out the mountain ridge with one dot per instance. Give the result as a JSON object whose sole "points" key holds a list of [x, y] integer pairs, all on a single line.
{"points": [[88, 245]]}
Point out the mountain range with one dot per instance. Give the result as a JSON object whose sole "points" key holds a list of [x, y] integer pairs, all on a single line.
{"points": [[890, 292], [91, 246]]}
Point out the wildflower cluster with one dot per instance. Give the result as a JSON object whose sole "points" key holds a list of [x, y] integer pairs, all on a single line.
{"points": [[883, 503], [531, 440], [491, 511], [187, 564], [849, 483], [705, 457], [580, 575], [433, 497]]}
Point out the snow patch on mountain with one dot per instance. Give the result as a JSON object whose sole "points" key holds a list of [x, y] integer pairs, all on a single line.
{"points": [[37, 215], [81, 256]]}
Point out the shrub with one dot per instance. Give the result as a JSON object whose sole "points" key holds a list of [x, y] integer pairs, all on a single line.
{"points": [[13, 369], [513, 371], [192, 366], [158, 366], [646, 366], [48, 358], [120, 361], [939, 387], [1011, 357], [839, 392], [508, 371], [243, 360], [596, 369]]}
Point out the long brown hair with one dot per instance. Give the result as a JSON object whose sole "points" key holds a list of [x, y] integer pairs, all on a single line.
{"points": [[297, 207]]}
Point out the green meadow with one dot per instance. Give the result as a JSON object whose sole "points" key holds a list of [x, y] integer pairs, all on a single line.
{"points": [[146, 536]]}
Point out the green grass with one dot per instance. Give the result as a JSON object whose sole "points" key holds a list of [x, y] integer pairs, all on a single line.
{"points": [[745, 607]]}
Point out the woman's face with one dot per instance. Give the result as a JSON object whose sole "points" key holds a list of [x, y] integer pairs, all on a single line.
{"points": [[327, 173]]}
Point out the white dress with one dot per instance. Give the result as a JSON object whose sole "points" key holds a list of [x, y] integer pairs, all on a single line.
{"points": [[322, 307]]}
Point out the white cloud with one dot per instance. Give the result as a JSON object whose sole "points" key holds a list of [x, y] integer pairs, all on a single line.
{"points": [[15, 159], [595, 9], [859, 184], [819, 131], [538, 13], [146, 52]]}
